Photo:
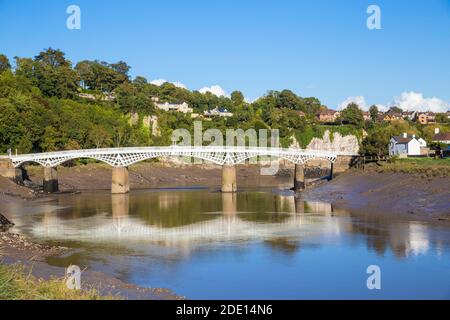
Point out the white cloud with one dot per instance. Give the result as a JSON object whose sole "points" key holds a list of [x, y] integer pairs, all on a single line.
{"points": [[408, 101], [179, 84], [216, 90], [414, 101], [160, 82], [361, 102]]}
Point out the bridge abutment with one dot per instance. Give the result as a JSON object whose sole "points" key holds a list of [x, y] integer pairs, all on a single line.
{"points": [[229, 182], [7, 170], [343, 163], [120, 180], [50, 184], [299, 177]]}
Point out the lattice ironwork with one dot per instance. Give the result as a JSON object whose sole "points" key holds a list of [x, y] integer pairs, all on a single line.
{"points": [[124, 157]]}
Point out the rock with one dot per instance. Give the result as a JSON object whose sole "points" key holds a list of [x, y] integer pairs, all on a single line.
{"points": [[337, 143], [347, 144], [5, 223]]}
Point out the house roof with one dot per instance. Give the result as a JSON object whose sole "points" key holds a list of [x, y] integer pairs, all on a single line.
{"points": [[402, 139], [393, 115], [327, 112], [441, 136]]}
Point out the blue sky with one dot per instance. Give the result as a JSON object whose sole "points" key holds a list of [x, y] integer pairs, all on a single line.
{"points": [[315, 48]]}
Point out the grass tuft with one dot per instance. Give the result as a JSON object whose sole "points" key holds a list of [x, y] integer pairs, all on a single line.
{"points": [[16, 284]]}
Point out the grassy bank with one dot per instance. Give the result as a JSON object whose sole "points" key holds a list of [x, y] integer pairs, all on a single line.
{"points": [[16, 284], [425, 166]]}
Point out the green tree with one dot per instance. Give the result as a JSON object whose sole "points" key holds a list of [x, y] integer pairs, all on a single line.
{"points": [[53, 58], [102, 76], [289, 100], [237, 98], [352, 114], [373, 110], [140, 81], [51, 72], [4, 63], [100, 137], [311, 106]]}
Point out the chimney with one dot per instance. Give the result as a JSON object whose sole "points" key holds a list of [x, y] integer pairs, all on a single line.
{"points": [[414, 136], [436, 130], [405, 135]]}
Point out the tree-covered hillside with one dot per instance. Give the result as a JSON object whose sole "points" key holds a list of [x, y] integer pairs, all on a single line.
{"points": [[47, 103]]}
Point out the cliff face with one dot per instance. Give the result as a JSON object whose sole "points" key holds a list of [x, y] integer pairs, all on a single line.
{"points": [[150, 122], [347, 144]]}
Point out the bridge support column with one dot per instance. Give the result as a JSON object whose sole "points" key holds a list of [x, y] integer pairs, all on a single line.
{"points": [[229, 183], [51, 180], [120, 180], [299, 177]]}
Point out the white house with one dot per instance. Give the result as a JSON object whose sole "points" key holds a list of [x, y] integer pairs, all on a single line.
{"points": [[406, 145], [218, 112], [184, 107]]}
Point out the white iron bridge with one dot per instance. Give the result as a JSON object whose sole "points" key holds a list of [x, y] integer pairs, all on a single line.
{"points": [[124, 157]]}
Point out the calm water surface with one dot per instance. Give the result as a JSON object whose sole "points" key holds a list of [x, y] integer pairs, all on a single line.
{"points": [[256, 244]]}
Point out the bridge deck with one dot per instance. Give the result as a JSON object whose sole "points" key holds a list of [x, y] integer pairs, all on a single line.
{"points": [[120, 157]]}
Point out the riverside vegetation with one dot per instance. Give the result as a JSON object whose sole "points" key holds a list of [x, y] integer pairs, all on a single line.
{"points": [[43, 107], [18, 284], [427, 167]]}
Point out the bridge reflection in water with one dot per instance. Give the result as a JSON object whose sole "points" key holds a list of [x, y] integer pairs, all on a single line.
{"points": [[188, 219], [162, 220]]}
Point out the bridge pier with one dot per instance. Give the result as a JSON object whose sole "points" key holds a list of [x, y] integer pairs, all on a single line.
{"points": [[120, 180], [330, 177], [229, 183], [50, 180], [299, 177]]}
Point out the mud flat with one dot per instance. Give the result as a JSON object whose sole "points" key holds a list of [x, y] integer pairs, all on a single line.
{"points": [[17, 249], [157, 175], [412, 196]]}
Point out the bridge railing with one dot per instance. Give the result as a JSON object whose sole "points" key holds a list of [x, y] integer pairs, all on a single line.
{"points": [[178, 149]]}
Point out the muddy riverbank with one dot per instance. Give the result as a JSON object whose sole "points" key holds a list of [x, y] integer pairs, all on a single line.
{"points": [[156, 175], [17, 249], [409, 196]]}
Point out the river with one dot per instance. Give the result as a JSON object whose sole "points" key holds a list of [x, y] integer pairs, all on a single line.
{"points": [[257, 244]]}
